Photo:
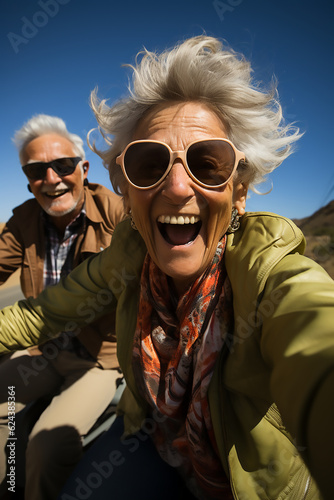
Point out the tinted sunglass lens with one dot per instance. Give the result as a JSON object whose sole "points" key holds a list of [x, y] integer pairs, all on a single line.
{"points": [[211, 162], [64, 166], [35, 170], [146, 162]]}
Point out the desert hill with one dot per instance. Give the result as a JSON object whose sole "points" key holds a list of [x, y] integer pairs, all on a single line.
{"points": [[318, 229]]}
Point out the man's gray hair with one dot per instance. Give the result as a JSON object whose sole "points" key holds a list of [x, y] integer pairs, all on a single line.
{"points": [[40, 125]]}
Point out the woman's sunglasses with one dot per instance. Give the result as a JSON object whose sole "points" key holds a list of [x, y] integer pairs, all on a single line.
{"points": [[62, 167], [210, 163]]}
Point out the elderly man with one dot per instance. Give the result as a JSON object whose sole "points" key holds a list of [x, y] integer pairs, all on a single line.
{"points": [[67, 221]]}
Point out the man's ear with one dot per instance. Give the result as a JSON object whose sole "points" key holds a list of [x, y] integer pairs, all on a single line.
{"points": [[85, 168], [240, 196]]}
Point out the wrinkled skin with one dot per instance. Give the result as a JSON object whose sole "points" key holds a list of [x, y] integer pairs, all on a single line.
{"points": [[183, 251], [60, 197]]}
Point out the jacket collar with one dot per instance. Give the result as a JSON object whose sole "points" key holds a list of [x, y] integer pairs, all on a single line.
{"points": [[92, 211], [261, 242]]}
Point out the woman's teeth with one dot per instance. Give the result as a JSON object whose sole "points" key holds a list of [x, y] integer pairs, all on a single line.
{"points": [[179, 230], [180, 219]]}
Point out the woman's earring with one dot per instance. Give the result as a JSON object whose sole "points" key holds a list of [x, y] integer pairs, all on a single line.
{"points": [[235, 223], [132, 222]]}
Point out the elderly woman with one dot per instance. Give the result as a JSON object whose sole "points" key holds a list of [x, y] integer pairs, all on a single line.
{"points": [[224, 330]]}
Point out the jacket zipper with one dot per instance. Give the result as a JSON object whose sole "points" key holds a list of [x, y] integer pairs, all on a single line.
{"points": [[307, 487]]}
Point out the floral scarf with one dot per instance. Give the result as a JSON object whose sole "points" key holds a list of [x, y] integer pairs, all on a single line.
{"points": [[176, 345]]}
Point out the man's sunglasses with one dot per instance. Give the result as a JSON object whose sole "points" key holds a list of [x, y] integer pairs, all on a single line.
{"points": [[209, 162], [62, 167]]}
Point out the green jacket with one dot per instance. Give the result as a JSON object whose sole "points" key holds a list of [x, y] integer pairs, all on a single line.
{"points": [[280, 356]]}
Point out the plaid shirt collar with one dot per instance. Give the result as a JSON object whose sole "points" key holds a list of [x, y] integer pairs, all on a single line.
{"points": [[59, 252]]}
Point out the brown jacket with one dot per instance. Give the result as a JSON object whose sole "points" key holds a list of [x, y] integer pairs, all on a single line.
{"points": [[22, 246]]}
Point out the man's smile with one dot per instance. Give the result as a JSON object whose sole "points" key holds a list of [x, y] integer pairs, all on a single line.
{"points": [[55, 194]]}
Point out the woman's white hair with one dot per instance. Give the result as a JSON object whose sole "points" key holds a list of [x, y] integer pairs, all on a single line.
{"points": [[201, 69], [40, 125]]}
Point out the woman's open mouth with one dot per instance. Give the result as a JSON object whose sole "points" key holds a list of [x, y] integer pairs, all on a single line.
{"points": [[179, 230]]}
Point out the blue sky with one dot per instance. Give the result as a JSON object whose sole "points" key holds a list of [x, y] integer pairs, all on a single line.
{"points": [[54, 52]]}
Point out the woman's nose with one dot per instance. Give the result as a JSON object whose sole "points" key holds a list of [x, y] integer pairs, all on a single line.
{"points": [[178, 184]]}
